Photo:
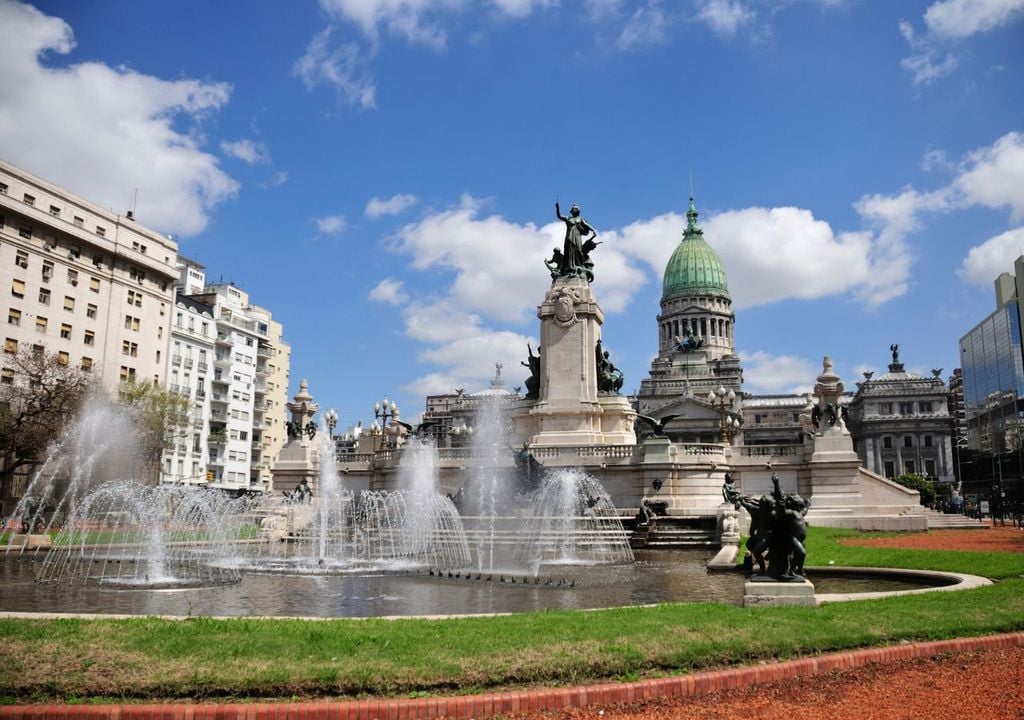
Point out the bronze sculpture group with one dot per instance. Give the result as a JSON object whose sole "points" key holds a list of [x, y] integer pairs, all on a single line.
{"points": [[573, 260], [778, 529]]}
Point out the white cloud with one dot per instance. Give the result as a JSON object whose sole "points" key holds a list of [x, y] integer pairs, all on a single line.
{"points": [[963, 18], [341, 66], [473, 358], [924, 62], [725, 17], [121, 134], [985, 262], [394, 205], [248, 151], [389, 291], [331, 225], [937, 160], [777, 374], [646, 26], [994, 176], [276, 179]]}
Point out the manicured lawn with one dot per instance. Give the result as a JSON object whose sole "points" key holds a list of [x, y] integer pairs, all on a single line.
{"points": [[203, 658]]}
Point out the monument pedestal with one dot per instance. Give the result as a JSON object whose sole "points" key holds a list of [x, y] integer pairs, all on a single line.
{"points": [[761, 591], [570, 412]]}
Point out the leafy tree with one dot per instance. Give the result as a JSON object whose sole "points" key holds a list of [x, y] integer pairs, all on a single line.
{"points": [[35, 407], [162, 420], [920, 483]]}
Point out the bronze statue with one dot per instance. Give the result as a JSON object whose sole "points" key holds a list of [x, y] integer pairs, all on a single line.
{"points": [[575, 256], [609, 377], [532, 382], [778, 529], [690, 342], [895, 350]]}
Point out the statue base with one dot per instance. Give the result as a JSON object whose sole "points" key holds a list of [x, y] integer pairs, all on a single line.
{"points": [[608, 421], [762, 591]]}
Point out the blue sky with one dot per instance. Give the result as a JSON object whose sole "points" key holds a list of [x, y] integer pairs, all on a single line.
{"points": [[381, 174]]}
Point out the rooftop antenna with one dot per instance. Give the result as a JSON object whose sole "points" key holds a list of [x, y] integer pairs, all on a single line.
{"points": [[691, 184]]}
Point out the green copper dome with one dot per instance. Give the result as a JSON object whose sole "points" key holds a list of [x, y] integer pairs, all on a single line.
{"points": [[694, 268]]}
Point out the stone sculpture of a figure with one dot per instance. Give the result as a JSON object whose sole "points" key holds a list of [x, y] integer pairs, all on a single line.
{"points": [[575, 257], [895, 350], [533, 364]]}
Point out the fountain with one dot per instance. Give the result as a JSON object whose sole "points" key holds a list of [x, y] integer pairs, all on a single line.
{"points": [[126, 534]]}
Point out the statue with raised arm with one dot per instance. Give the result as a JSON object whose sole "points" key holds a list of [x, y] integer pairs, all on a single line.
{"points": [[778, 529], [575, 256], [895, 350], [533, 382]]}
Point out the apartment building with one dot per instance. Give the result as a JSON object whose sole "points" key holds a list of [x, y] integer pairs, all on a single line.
{"points": [[84, 282], [228, 356]]}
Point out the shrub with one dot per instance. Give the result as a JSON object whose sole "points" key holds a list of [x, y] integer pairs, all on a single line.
{"points": [[920, 483]]}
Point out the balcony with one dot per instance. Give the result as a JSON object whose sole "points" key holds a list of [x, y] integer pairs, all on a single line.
{"points": [[176, 360], [264, 352], [188, 363], [203, 367]]}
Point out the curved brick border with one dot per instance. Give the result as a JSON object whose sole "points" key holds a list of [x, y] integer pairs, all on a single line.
{"points": [[476, 706]]}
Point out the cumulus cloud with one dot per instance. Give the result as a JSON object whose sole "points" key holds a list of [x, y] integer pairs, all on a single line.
{"points": [[331, 225], [342, 66], [985, 262], [994, 176], [777, 374], [122, 134], [395, 205], [725, 17], [390, 291], [948, 21], [963, 18], [248, 151]]}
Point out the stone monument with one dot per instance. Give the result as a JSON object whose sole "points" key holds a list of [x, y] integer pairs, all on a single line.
{"points": [[573, 393], [298, 462]]}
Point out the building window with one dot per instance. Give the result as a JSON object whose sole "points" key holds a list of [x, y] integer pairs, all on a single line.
{"points": [[10, 346], [90, 311], [3, 188], [25, 231], [101, 231], [890, 469], [129, 348], [131, 323], [927, 440], [41, 323], [925, 407], [79, 222], [135, 298], [136, 274], [906, 408], [908, 441], [887, 442], [127, 374], [55, 211], [73, 277], [909, 466], [89, 337], [69, 303], [29, 200], [97, 261], [7, 376], [94, 284], [21, 259], [885, 408], [44, 296], [18, 288], [13, 317], [86, 363], [929, 468], [63, 358], [47, 270], [65, 331]]}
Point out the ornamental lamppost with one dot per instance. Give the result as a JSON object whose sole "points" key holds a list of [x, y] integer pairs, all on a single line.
{"points": [[728, 424], [383, 411], [331, 418]]}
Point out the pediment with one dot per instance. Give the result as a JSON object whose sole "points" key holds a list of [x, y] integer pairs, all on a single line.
{"points": [[686, 408]]}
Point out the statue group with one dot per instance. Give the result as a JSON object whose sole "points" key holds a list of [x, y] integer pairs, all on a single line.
{"points": [[778, 529], [573, 260], [609, 377]]}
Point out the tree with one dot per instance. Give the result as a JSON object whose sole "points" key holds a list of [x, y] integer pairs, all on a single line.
{"points": [[920, 483], [162, 419], [43, 395]]}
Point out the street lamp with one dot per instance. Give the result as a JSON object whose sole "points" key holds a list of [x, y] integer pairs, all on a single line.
{"points": [[723, 401], [331, 418], [383, 411]]}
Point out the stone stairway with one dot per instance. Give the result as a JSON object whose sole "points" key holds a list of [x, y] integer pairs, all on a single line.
{"points": [[674, 533], [942, 521]]}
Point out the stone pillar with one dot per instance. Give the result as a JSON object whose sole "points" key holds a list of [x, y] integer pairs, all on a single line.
{"points": [[570, 411], [299, 459]]}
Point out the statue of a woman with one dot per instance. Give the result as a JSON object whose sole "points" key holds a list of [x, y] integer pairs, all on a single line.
{"points": [[574, 260]]}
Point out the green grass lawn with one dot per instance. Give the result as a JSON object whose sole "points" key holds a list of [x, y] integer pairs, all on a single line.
{"points": [[145, 658]]}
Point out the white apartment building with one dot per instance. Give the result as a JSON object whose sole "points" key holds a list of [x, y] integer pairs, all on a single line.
{"points": [[84, 282], [229, 358]]}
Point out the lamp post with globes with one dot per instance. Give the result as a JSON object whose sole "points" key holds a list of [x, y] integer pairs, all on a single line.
{"points": [[331, 418], [728, 424], [383, 411]]}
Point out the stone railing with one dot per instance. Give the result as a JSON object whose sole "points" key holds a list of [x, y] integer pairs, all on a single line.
{"points": [[701, 449], [607, 452], [354, 458]]}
